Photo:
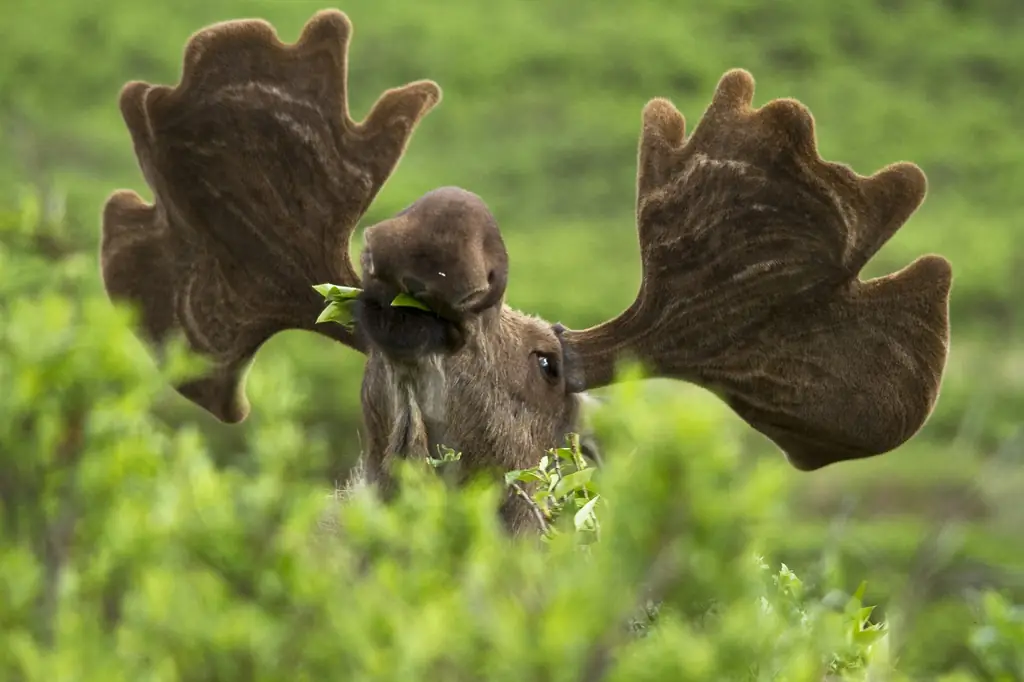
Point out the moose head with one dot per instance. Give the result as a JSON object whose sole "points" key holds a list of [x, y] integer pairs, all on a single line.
{"points": [[751, 247]]}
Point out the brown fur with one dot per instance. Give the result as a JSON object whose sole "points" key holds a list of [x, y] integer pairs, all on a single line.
{"points": [[751, 248], [488, 401]]}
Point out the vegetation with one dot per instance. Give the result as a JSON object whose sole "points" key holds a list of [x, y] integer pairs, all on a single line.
{"points": [[129, 554], [124, 505]]}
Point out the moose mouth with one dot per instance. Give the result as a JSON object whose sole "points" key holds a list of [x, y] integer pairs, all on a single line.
{"points": [[407, 334]]}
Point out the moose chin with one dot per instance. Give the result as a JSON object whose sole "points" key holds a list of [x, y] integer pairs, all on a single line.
{"points": [[750, 245], [403, 334]]}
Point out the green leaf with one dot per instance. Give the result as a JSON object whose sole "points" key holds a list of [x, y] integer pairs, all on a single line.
{"points": [[445, 456], [861, 589], [407, 301], [576, 481], [337, 294], [864, 613], [853, 605], [522, 475], [337, 312], [565, 453], [584, 518]]}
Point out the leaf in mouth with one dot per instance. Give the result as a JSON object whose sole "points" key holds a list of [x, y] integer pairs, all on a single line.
{"points": [[337, 294], [406, 301], [337, 312], [339, 304]]}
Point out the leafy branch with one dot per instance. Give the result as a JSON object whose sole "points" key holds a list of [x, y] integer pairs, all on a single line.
{"points": [[562, 483]]}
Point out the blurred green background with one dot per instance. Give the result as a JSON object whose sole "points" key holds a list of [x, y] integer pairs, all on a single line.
{"points": [[541, 116]]}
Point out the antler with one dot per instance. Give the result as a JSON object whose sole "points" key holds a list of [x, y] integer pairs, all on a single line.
{"points": [[751, 247], [259, 176]]}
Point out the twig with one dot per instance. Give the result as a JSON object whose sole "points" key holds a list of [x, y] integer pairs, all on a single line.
{"points": [[552, 502], [521, 492], [558, 464], [577, 458]]}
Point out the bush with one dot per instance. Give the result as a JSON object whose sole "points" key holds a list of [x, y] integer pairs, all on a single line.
{"points": [[130, 553]]}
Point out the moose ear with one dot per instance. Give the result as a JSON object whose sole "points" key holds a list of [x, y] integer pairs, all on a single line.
{"points": [[572, 365]]}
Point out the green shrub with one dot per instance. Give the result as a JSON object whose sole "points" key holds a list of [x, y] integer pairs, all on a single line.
{"points": [[131, 552]]}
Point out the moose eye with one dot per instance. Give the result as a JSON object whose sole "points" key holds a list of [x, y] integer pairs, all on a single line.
{"points": [[548, 366]]}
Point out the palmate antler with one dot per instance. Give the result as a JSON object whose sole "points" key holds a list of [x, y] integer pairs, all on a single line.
{"points": [[259, 176], [751, 247]]}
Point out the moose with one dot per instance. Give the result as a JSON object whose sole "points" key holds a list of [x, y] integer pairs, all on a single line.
{"points": [[751, 248]]}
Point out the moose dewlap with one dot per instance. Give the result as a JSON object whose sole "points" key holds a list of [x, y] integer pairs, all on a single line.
{"points": [[751, 247]]}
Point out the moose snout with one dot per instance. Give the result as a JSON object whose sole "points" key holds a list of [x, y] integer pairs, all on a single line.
{"points": [[445, 250], [455, 300], [450, 295], [413, 286], [404, 334]]}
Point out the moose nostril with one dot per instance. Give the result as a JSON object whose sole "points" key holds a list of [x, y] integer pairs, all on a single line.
{"points": [[413, 286]]}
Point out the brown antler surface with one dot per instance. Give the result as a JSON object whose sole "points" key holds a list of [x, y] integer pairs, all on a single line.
{"points": [[751, 247], [259, 176]]}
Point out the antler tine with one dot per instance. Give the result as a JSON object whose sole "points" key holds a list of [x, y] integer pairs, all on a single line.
{"points": [[259, 178], [751, 247]]}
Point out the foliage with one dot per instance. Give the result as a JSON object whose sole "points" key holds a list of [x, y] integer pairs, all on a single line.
{"points": [[339, 304], [129, 553], [340, 298], [999, 641], [562, 483]]}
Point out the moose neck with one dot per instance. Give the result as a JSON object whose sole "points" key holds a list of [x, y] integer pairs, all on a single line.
{"points": [[406, 400], [416, 395]]}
